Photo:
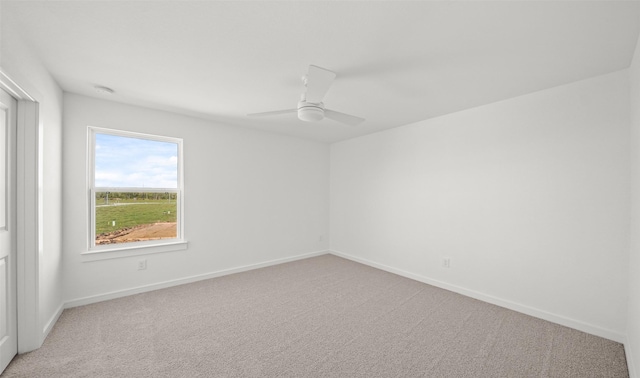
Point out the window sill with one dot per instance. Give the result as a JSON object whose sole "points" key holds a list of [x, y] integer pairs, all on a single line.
{"points": [[108, 252]]}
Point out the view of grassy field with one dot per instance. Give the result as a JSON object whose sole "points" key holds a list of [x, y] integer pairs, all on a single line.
{"points": [[132, 212]]}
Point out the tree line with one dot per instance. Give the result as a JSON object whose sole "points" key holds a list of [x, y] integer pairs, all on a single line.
{"points": [[134, 196]]}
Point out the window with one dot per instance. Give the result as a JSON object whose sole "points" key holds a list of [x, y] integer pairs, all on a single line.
{"points": [[135, 190]]}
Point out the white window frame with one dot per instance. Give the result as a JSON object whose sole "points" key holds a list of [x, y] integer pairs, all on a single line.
{"points": [[97, 252]]}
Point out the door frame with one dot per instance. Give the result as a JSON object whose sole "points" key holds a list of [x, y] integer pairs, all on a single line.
{"points": [[28, 146]]}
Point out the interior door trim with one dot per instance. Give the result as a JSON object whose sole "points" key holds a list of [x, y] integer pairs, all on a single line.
{"points": [[30, 336]]}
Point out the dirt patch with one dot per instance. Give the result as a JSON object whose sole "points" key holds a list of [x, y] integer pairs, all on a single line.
{"points": [[155, 231]]}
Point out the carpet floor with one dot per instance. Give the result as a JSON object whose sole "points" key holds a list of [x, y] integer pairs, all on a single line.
{"points": [[319, 317]]}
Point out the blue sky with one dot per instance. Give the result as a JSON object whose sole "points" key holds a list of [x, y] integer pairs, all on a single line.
{"points": [[135, 163]]}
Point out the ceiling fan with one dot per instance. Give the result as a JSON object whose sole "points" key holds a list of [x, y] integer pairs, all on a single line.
{"points": [[310, 107]]}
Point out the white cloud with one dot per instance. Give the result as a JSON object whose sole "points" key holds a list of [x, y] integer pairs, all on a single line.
{"points": [[135, 163]]}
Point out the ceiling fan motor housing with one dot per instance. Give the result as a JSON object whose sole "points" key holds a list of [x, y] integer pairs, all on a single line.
{"points": [[310, 112]]}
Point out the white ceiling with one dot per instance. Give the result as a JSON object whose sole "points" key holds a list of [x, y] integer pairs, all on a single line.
{"points": [[397, 62]]}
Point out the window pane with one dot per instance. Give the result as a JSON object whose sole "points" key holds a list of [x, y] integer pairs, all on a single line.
{"points": [[126, 162], [124, 217]]}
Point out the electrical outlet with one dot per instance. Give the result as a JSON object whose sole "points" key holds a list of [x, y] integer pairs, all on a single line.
{"points": [[320, 238], [446, 262], [142, 264]]}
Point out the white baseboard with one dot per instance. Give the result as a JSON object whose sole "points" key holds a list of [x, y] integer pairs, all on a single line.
{"points": [[541, 314], [568, 322], [181, 281], [52, 321]]}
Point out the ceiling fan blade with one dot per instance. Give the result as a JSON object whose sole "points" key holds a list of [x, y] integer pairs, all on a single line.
{"points": [[275, 112], [318, 82], [343, 118]]}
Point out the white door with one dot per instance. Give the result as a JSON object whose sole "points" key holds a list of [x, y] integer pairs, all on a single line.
{"points": [[8, 289]]}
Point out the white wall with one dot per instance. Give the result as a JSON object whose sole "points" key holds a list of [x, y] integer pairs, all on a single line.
{"points": [[250, 197], [632, 346], [528, 197], [17, 60]]}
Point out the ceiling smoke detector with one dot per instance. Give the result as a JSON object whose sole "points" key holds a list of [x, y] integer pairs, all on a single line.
{"points": [[103, 89]]}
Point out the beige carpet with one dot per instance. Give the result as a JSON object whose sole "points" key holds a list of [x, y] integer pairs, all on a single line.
{"points": [[319, 317]]}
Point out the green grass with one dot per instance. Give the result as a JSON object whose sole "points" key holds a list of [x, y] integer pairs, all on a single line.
{"points": [[133, 214]]}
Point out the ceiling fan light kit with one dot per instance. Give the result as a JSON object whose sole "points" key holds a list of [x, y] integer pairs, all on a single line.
{"points": [[310, 112], [310, 108]]}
